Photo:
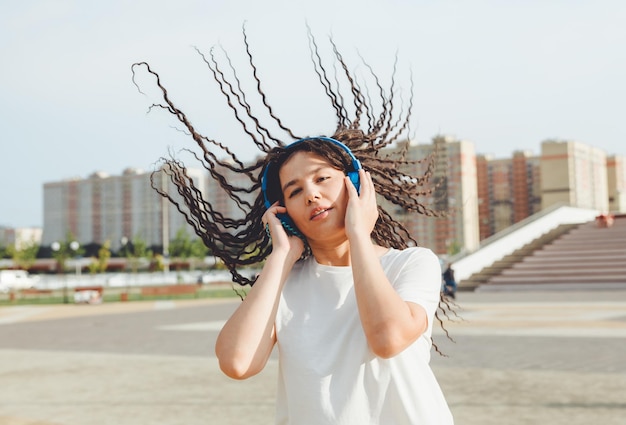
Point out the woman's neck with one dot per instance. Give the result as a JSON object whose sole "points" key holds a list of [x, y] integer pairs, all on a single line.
{"points": [[337, 254]]}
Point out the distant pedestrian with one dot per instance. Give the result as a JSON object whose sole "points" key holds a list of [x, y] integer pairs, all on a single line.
{"points": [[449, 282]]}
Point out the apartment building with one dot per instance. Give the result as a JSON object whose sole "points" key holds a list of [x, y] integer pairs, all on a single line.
{"points": [[109, 208], [509, 190], [454, 193], [478, 195], [574, 174]]}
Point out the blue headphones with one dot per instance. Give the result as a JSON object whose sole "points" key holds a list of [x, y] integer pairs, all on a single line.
{"points": [[353, 175]]}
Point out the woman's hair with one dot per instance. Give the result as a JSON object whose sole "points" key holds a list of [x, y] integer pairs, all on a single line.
{"points": [[367, 130]]}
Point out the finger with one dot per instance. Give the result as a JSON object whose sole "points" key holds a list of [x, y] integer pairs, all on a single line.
{"points": [[350, 187], [274, 209], [366, 183]]}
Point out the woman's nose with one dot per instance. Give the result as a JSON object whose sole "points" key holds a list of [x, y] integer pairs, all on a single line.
{"points": [[312, 197]]}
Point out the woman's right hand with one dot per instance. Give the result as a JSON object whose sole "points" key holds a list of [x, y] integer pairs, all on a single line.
{"points": [[282, 242]]}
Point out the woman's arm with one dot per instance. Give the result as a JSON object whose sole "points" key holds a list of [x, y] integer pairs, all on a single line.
{"points": [[245, 342], [390, 323]]}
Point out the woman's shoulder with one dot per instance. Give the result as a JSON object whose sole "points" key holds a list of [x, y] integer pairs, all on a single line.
{"points": [[414, 268], [414, 252]]}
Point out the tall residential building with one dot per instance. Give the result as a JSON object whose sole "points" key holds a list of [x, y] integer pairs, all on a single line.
{"points": [[509, 190], [454, 193], [574, 174], [526, 185], [109, 208], [485, 229], [616, 176], [479, 195]]}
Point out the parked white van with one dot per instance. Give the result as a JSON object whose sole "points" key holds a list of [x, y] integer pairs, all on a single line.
{"points": [[15, 280]]}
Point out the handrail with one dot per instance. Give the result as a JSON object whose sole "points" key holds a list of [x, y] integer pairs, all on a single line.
{"points": [[504, 243], [505, 232]]}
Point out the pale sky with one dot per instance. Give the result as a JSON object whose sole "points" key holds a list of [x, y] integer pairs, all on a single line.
{"points": [[504, 75]]}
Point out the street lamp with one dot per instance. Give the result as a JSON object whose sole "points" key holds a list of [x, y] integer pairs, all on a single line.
{"points": [[55, 246], [124, 241], [124, 249], [59, 256], [74, 245], [61, 252]]}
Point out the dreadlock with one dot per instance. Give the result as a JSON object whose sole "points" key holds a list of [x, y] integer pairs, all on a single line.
{"points": [[241, 242]]}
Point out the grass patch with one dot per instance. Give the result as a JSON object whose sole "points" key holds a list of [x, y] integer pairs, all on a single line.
{"points": [[111, 295]]}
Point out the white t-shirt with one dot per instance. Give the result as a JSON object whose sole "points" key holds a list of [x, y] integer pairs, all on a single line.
{"points": [[328, 374]]}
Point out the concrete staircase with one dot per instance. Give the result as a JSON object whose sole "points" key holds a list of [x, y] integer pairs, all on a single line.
{"points": [[583, 256], [485, 275]]}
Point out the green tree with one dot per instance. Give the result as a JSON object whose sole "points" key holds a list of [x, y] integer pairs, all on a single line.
{"points": [[25, 256], [198, 250], [180, 246], [99, 264], [134, 251], [104, 254], [93, 266], [184, 248], [63, 250], [159, 263]]}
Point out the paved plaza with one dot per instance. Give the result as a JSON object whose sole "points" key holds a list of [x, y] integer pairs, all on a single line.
{"points": [[518, 358]]}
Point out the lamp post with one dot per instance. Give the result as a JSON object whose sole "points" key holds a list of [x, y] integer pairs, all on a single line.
{"points": [[62, 250], [124, 241], [60, 257], [74, 245], [124, 248], [55, 246]]}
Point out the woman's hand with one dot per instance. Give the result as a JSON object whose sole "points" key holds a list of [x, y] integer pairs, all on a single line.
{"points": [[362, 209], [282, 242], [246, 340]]}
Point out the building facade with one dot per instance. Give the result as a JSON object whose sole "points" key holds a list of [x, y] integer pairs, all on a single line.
{"points": [[454, 194], [509, 190], [104, 208], [479, 196], [574, 174]]}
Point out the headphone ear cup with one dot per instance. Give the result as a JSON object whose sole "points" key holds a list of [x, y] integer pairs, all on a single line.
{"points": [[354, 178], [289, 225]]}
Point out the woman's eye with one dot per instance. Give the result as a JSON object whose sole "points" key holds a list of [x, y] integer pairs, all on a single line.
{"points": [[294, 193], [321, 179]]}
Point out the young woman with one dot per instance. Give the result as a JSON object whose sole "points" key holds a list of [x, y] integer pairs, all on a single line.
{"points": [[344, 293], [352, 321]]}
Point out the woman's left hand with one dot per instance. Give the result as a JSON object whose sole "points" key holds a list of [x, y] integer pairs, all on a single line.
{"points": [[362, 209]]}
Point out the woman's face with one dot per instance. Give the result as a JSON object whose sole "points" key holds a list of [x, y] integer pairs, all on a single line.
{"points": [[315, 195]]}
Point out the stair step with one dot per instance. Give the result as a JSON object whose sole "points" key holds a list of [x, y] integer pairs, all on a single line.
{"points": [[587, 271], [564, 279], [578, 254], [599, 252], [571, 259], [574, 264]]}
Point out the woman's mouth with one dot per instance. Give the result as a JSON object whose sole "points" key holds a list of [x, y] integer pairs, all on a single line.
{"points": [[319, 213]]}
